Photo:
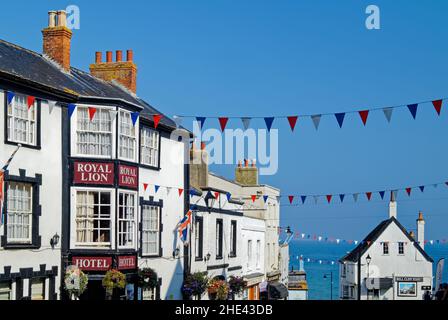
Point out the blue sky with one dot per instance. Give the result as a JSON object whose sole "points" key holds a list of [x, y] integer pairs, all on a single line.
{"points": [[263, 58]]}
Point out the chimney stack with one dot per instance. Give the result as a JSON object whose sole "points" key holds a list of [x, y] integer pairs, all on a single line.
{"points": [[247, 175], [392, 206], [125, 72], [421, 230], [198, 166], [57, 38]]}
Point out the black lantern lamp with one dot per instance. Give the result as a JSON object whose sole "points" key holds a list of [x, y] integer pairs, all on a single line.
{"points": [[54, 240]]}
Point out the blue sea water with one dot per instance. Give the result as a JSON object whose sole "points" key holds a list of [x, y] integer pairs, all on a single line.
{"points": [[319, 287]]}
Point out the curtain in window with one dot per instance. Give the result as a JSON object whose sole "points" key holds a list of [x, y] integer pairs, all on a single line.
{"points": [[149, 147], [21, 122], [127, 136], [19, 212], [94, 137], [150, 230], [84, 216], [126, 219]]}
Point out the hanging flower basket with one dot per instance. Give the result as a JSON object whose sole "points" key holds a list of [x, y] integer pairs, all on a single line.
{"points": [[114, 279], [75, 282], [147, 278], [237, 284], [195, 284], [218, 289]]}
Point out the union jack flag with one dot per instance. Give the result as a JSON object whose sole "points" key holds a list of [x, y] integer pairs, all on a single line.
{"points": [[183, 226]]}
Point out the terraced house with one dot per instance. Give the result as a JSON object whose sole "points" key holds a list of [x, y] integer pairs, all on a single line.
{"points": [[80, 190]]}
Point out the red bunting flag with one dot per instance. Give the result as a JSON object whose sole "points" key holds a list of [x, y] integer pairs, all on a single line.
{"points": [[368, 242], [156, 118], [30, 101], [408, 191], [329, 196], [437, 105], [292, 121], [254, 197], [180, 191], [216, 195], [291, 199], [369, 195], [145, 186], [92, 111], [364, 114], [223, 122]]}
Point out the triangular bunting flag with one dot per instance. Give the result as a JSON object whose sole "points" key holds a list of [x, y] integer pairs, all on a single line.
{"points": [[168, 190], [51, 105], [342, 196], [388, 113], [229, 196], [216, 194], [156, 187], [201, 121], [303, 199], [134, 117], [408, 191], [30, 101], [254, 197], [413, 109], [437, 105], [269, 121], [156, 118], [316, 199], [71, 109], [223, 122], [355, 197], [329, 196], [92, 111], [292, 122], [291, 199], [369, 195], [145, 186], [340, 118], [180, 190], [382, 193], [177, 120], [113, 114], [395, 193], [422, 188], [265, 198], [246, 122], [364, 114], [10, 96], [316, 120]]}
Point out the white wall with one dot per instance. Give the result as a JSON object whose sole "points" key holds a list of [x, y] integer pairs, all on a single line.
{"points": [[254, 230]]}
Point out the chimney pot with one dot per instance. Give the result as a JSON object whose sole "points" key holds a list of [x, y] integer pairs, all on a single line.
{"points": [[246, 163], [62, 18], [98, 57], [51, 19], [108, 56], [202, 145], [119, 55], [253, 163], [239, 164], [129, 55]]}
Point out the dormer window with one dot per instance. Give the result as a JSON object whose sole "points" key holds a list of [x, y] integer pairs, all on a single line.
{"points": [[22, 121]]}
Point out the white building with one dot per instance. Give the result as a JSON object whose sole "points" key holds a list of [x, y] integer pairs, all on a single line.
{"points": [[92, 153], [389, 264]]}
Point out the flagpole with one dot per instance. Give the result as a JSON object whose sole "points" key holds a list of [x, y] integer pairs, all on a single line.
{"points": [[2, 180]]}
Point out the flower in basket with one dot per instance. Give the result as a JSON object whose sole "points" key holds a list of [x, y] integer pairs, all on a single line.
{"points": [[147, 278], [237, 284], [75, 281], [114, 279], [217, 287], [195, 284]]}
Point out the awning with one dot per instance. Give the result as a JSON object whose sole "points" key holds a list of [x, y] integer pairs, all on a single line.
{"points": [[277, 290]]}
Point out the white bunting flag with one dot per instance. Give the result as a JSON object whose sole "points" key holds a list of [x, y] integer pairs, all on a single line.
{"points": [[51, 105]]}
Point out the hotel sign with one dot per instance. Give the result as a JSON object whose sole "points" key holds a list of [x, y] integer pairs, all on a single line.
{"points": [[93, 173], [93, 263], [126, 262], [128, 176], [409, 279]]}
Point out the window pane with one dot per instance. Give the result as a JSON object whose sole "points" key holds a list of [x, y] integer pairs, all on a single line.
{"points": [[19, 212], [127, 136], [149, 145], [150, 230], [21, 120], [94, 137]]}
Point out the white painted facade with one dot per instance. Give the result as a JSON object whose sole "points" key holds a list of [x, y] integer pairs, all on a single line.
{"points": [[40, 257], [398, 272]]}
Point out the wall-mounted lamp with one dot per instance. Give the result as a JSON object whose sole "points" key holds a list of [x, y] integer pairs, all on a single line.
{"points": [[176, 253], [54, 240], [207, 257]]}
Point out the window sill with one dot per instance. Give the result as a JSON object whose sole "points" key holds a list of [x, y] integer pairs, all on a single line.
{"points": [[25, 145], [232, 255], [149, 167], [150, 256], [218, 258], [199, 259], [18, 246]]}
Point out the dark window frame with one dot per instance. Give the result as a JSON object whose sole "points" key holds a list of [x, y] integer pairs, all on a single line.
{"points": [[199, 256], [401, 248], [220, 247], [385, 248], [233, 239], [159, 204], [38, 125], [36, 182]]}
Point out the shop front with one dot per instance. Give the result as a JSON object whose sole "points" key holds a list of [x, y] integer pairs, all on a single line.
{"points": [[252, 291]]}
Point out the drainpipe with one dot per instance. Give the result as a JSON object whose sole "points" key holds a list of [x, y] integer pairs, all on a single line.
{"points": [[359, 277]]}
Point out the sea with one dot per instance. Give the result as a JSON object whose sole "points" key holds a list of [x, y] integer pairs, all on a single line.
{"points": [[320, 267]]}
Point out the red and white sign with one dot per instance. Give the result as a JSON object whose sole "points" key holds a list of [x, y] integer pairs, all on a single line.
{"points": [[128, 176], [93, 263], [93, 172], [126, 262]]}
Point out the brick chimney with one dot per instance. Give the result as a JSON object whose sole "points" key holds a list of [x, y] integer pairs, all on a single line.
{"points": [[56, 38], [247, 175], [125, 72], [198, 166], [421, 230]]}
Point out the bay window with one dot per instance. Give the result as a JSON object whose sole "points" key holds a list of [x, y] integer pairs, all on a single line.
{"points": [[150, 242], [94, 138], [128, 140], [149, 147], [22, 121], [19, 212], [93, 221], [127, 202]]}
